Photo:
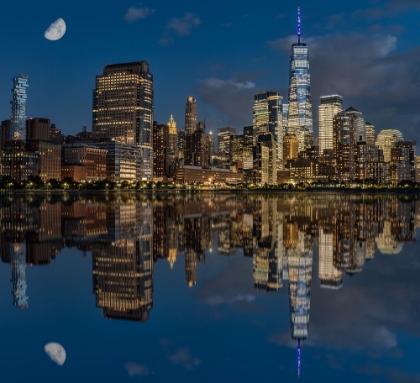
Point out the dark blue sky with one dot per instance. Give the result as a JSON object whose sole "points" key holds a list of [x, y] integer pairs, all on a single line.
{"points": [[217, 51]]}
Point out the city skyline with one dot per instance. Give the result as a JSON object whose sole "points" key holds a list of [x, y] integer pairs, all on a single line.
{"points": [[381, 35]]}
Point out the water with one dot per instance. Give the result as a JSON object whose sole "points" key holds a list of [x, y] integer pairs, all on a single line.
{"points": [[210, 288]]}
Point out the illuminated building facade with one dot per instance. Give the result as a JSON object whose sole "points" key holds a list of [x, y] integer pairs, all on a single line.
{"points": [[370, 134], [49, 158], [224, 140], [290, 148], [299, 118], [360, 128], [386, 140], [345, 145], [123, 161], [18, 115], [268, 118], [191, 118], [329, 107], [123, 109], [92, 157]]}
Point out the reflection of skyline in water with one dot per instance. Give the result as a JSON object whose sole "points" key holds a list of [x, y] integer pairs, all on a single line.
{"points": [[126, 234]]}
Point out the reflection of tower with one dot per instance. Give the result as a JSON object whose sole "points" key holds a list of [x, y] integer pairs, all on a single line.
{"points": [[195, 229], [18, 266], [191, 268], [123, 266], [329, 275], [300, 278], [123, 279], [267, 264]]}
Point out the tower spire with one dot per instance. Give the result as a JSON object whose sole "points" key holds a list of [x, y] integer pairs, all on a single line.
{"points": [[298, 28], [298, 359]]}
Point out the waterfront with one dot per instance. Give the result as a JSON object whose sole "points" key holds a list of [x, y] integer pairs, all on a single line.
{"points": [[210, 287]]}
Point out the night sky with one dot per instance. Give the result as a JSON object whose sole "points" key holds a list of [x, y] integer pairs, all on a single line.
{"points": [[217, 51]]}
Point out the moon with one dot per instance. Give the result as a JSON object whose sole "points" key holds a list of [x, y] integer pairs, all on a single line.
{"points": [[56, 30], [56, 352]]}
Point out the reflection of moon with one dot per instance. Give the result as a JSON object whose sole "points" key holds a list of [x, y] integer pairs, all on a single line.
{"points": [[56, 30], [56, 352]]}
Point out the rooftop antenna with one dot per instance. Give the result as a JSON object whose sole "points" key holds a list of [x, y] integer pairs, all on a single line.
{"points": [[298, 29], [298, 359]]}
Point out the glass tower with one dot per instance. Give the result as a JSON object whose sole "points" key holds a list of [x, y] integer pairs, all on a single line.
{"points": [[18, 115], [268, 118], [299, 119], [123, 109], [190, 115], [330, 106]]}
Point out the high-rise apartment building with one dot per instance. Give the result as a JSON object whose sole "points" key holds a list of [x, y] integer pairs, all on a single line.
{"points": [[370, 134], [268, 118], [223, 140], [345, 125], [18, 115], [123, 109], [165, 149], [360, 128], [386, 140], [329, 107], [267, 139], [299, 118], [191, 115]]}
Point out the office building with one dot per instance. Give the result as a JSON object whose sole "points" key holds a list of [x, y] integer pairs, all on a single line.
{"points": [[268, 141], [38, 129], [329, 107], [268, 118], [386, 140], [49, 158], [123, 161], [299, 118], [370, 134], [345, 125], [360, 129], [191, 118], [123, 109], [91, 157], [19, 164], [223, 140], [403, 162]]}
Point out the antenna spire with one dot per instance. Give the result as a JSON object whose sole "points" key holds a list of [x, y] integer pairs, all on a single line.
{"points": [[298, 29], [298, 359]]}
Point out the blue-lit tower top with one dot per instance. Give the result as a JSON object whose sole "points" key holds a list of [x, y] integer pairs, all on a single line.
{"points": [[299, 119], [299, 32], [18, 115]]}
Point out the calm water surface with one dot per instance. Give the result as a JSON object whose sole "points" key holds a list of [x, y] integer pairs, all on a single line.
{"points": [[220, 288]]}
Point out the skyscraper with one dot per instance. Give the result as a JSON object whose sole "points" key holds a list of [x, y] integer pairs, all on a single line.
{"points": [[299, 119], [386, 140], [345, 125], [223, 140], [330, 106], [123, 108], [190, 115], [360, 130], [268, 118], [370, 134], [18, 115]]}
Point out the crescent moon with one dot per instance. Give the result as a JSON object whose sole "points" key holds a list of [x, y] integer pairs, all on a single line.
{"points": [[56, 352], [56, 30]]}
